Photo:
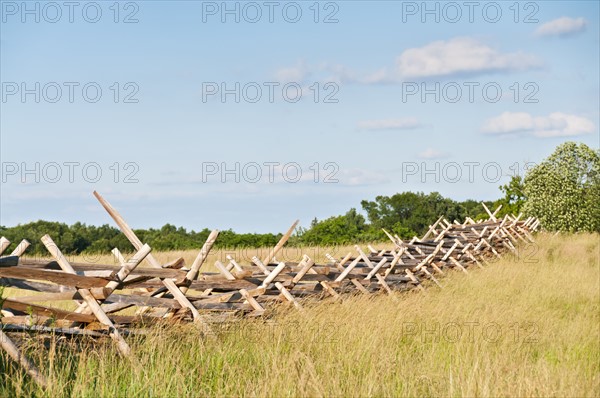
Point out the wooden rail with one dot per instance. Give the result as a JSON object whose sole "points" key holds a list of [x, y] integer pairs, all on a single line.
{"points": [[100, 293]]}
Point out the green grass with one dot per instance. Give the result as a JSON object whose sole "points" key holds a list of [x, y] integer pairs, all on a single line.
{"points": [[527, 326]]}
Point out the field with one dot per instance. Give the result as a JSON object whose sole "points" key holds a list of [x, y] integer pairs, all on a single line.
{"points": [[527, 326]]}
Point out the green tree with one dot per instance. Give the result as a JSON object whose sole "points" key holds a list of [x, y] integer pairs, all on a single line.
{"points": [[336, 230], [514, 197], [410, 213], [563, 190]]}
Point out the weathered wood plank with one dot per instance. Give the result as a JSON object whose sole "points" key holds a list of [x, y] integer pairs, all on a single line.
{"points": [[60, 278], [137, 243], [27, 308]]}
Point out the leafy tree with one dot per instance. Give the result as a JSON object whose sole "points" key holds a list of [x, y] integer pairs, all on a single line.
{"points": [[406, 214], [563, 190], [514, 197], [336, 230], [411, 213], [402, 231]]}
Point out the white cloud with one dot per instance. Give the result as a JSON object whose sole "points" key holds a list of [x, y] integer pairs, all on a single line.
{"points": [[383, 75], [304, 73], [459, 56], [508, 122], [296, 73], [562, 27], [336, 73], [360, 177], [556, 124], [389, 124], [431, 153]]}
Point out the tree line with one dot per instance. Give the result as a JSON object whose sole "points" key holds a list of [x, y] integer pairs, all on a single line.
{"points": [[563, 191], [406, 214]]}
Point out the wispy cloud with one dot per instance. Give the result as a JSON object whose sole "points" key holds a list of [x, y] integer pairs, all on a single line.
{"points": [[361, 177], [431, 153], [389, 124], [562, 27], [295, 73], [306, 73], [556, 124], [459, 56], [456, 57]]}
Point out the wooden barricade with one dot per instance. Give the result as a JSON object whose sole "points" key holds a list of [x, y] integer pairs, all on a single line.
{"points": [[99, 300]]}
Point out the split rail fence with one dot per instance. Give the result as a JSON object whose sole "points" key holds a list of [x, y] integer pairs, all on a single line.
{"points": [[102, 293]]}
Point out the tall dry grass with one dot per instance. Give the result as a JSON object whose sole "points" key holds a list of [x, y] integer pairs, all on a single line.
{"points": [[527, 326], [242, 256]]}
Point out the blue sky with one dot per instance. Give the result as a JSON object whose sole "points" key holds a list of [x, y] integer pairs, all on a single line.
{"points": [[163, 143]]}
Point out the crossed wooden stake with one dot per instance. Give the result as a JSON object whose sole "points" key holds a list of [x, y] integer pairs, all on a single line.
{"points": [[447, 244]]}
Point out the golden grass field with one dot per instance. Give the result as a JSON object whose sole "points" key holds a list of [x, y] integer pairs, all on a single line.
{"points": [[242, 256], [527, 326]]}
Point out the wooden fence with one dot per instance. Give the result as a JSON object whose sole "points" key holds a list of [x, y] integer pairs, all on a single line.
{"points": [[120, 300]]}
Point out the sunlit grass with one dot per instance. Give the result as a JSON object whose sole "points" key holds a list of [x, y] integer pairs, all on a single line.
{"points": [[241, 255], [527, 326]]}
